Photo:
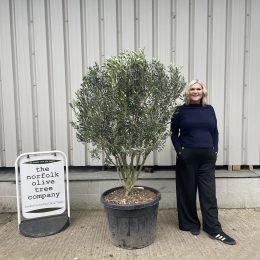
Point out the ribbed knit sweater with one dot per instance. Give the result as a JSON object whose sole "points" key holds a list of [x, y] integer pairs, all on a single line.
{"points": [[194, 126]]}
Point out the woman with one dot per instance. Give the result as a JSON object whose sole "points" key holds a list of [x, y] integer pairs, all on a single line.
{"points": [[195, 139]]}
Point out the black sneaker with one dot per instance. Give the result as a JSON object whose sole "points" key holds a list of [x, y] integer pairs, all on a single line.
{"points": [[224, 238], [195, 232]]}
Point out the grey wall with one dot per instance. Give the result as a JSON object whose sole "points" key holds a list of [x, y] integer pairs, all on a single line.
{"points": [[46, 46]]}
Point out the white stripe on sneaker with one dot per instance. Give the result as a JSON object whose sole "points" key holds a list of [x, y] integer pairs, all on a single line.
{"points": [[219, 237]]}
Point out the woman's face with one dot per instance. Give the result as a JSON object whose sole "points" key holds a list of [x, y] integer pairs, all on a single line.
{"points": [[195, 94]]}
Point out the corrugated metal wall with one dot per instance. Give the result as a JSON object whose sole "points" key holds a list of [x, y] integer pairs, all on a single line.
{"points": [[45, 47]]}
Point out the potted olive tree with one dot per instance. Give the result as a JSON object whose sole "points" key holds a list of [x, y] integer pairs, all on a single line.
{"points": [[123, 108]]}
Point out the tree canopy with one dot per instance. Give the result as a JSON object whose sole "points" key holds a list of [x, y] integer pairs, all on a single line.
{"points": [[123, 108]]}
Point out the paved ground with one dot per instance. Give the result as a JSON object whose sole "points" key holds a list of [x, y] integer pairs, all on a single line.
{"points": [[87, 238]]}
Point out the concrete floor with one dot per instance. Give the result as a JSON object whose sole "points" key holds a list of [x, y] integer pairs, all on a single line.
{"points": [[87, 238]]}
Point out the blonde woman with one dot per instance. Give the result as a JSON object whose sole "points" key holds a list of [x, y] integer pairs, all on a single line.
{"points": [[195, 139]]}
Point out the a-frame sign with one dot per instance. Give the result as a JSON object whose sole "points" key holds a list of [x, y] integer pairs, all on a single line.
{"points": [[42, 190]]}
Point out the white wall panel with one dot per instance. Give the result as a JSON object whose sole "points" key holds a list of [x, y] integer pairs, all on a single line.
{"points": [[128, 25], [92, 32], [146, 30], [253, 88], [199, 53], [110, 28], [42, 98], [23, 67], [217, 70], [7, 93], [74, 54], [92, 41], [182, 36], [48, 45], [165, 39], [57, 76], [235, 82], [164, 31], [146, 27]]}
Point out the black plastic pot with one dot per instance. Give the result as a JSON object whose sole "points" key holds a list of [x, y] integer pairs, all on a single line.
{"points": [[132, 225]]}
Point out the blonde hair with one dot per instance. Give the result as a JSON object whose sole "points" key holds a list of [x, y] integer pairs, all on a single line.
{"points": [[187, 92]]}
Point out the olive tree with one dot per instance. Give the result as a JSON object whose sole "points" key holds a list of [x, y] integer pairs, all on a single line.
{"points": [[123, 108]]}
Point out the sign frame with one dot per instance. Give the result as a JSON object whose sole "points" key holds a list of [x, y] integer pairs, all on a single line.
{"points": [[19, 189]]}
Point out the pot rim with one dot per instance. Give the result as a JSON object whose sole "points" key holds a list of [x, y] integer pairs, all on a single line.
{"points": [[130, 206]]}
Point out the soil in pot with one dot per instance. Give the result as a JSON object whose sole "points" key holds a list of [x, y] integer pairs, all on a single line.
{"points": [[138, 195]]}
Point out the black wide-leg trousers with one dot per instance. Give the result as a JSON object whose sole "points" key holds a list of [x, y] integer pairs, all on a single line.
{"points": [[195, 171]]}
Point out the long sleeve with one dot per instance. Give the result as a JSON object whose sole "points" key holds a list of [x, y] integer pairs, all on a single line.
{"points": [[215, 134], [175, 128]]}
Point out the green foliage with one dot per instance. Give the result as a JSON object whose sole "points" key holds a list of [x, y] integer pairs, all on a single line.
{"points": [[123, 108]]}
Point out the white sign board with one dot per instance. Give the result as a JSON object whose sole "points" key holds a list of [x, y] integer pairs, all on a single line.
{"points": [[42, 185]]}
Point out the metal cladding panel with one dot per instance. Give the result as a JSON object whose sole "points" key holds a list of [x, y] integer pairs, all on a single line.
{"points": [[8, 141], [110, 41], [91, 36], [24, 76], [199, 25], [252, 139], [217, 72], [56, 74], [74, 71], [94, 52], [182, 36], [146, 26], [48, 45], [235, 81], [127, 21], [42, 92], [146, 40], [165, 49]]}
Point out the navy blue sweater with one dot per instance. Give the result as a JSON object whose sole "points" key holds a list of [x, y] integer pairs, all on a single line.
{"points": [[194, 126]]}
